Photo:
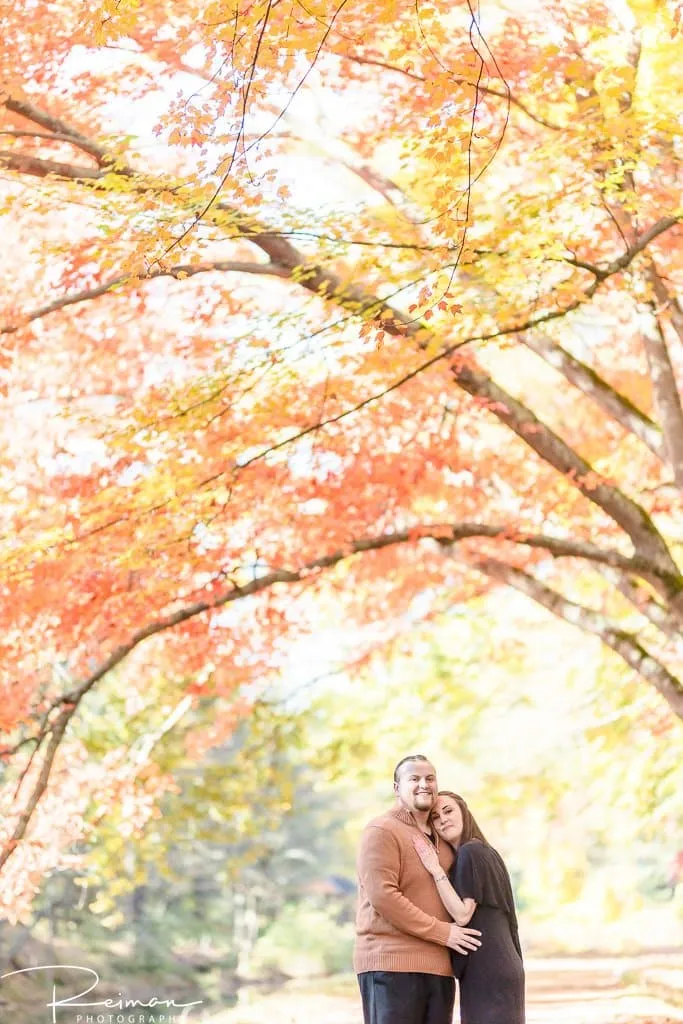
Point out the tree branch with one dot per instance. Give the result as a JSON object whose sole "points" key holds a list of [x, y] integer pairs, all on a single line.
{"points": [[642, 600], [445, 534], [461, 80], [442, 533], [639, 244], [632, 518], [585, 378], [57, 731], [179, 272], [40, 167], [668, 304], [667, 399], [57, 128], [626, 645], [537, 435]]}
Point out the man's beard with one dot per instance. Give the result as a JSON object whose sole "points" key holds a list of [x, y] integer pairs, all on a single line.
{"points": [[424, 802]]}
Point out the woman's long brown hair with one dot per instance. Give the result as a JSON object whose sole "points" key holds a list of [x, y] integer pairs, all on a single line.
{"points": [[470, 829]]}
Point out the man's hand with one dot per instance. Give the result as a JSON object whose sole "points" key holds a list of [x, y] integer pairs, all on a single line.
{"points": [[463, 940]]}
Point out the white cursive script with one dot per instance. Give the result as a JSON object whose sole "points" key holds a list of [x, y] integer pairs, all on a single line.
{"points": [[110, 1004]]}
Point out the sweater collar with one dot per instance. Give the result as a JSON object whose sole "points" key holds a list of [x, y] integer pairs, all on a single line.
{"points": [[408, 818]]}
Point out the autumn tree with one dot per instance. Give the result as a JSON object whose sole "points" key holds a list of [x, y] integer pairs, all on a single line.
{"points": [[323, 315]]}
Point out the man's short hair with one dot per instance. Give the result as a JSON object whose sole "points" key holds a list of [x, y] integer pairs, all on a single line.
{"points": [[404, 760]]}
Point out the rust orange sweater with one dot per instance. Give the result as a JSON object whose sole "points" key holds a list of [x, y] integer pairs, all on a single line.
{"points": [[401, 924]]}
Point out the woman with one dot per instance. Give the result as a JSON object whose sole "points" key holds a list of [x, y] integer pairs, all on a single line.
{"points": [[478, 892]]}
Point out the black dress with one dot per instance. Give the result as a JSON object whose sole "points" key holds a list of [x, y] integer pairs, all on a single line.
{"points": [[491, 979]]}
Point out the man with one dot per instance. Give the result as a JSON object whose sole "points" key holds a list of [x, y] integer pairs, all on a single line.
{"points": [[403, 932]]}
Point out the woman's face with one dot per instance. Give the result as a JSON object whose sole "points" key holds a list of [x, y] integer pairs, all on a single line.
{"points": [[447, 819]]}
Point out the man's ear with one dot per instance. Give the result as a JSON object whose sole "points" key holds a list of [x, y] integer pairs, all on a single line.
{"points": [[396, 788]]}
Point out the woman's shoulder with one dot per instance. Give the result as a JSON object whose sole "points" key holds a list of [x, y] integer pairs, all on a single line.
{"points": [[478, 852], [474, 848]]}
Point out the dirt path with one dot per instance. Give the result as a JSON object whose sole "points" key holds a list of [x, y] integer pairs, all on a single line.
{"points": [[558, 992], [592, 992]]}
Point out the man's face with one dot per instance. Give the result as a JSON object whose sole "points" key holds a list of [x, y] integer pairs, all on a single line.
{"points": [[416, 787]]}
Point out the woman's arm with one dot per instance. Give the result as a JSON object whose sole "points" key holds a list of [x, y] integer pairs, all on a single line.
{"points": [[460, 910]]}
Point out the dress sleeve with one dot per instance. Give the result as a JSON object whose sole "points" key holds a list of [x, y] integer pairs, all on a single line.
{"points": [[480, 874], [468, 875]]}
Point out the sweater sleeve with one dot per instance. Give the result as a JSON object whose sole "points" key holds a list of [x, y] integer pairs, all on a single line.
{"points": [[378, 869]]}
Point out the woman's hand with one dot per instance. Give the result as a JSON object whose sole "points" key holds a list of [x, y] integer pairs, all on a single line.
{"points": [[428, 856]]}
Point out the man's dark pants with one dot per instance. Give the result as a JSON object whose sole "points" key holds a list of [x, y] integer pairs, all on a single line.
{"points": [[397, 997]]}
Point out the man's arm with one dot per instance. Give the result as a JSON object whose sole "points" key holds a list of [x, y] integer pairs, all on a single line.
{"points": [[378, 869]]}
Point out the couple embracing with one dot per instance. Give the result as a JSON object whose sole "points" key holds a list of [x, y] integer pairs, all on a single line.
{"points": [[435, 904]]}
